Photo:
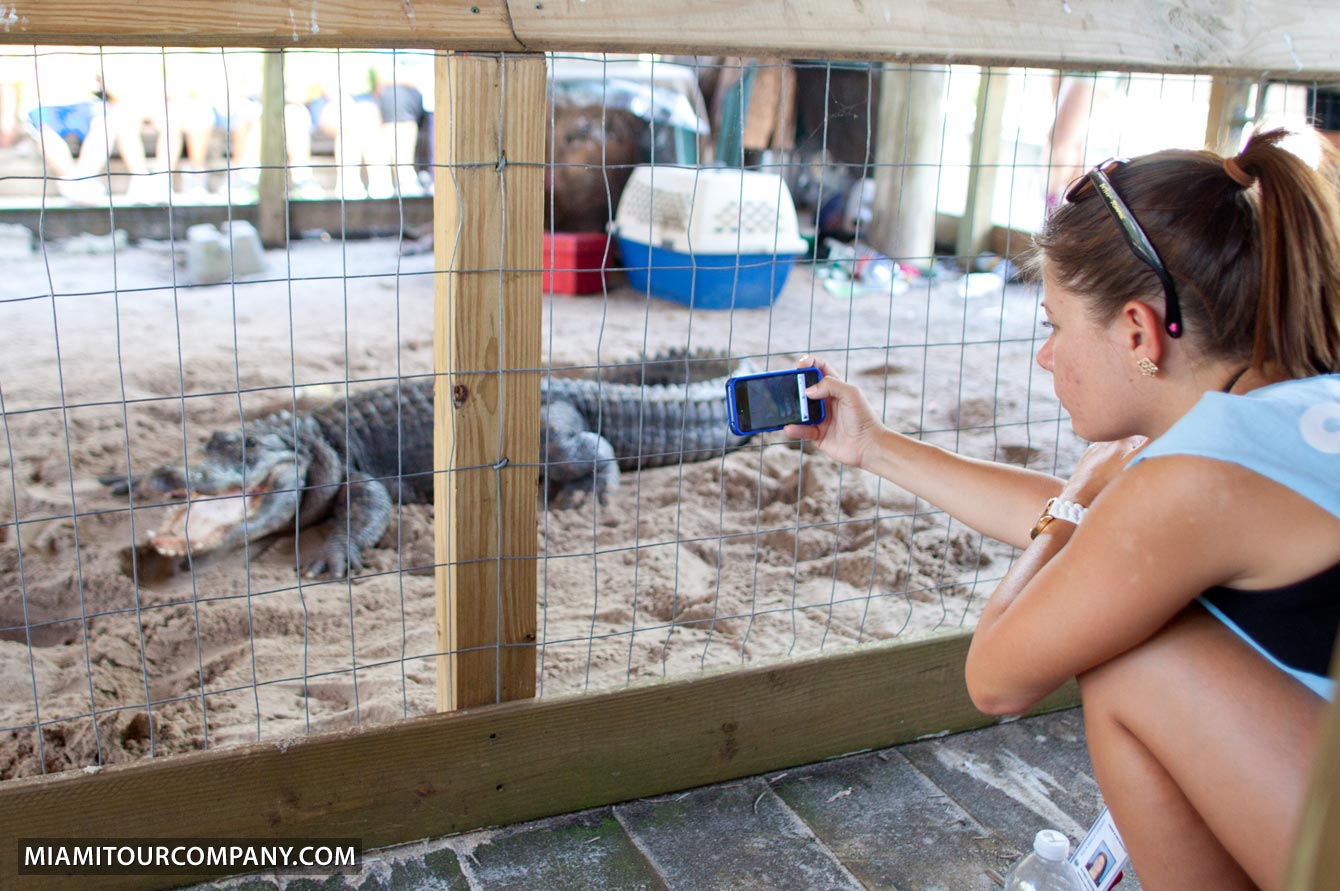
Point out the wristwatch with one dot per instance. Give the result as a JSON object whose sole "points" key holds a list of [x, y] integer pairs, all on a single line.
{"points": [[1058, 509]]}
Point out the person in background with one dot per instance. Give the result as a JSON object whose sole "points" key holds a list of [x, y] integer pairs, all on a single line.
{"points": [[1187, 570], [239, 111], [400, 103], [1075, 96], [134, 81], [77, 125], [330, 84], [16, 65]]}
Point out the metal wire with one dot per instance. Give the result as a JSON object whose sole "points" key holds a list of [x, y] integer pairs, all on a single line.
{"points": [[682, 569]]}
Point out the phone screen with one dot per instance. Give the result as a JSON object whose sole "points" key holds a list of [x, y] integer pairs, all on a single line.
{"points": [[770, 401]]}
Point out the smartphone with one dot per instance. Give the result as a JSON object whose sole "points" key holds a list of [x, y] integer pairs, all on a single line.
{"points": [[757, 403]]}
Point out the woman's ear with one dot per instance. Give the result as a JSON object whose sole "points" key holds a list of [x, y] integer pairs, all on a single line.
{"points": [[1141, 330]]}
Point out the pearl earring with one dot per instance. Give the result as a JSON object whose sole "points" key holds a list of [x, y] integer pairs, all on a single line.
{"points": [[1147, 367]]}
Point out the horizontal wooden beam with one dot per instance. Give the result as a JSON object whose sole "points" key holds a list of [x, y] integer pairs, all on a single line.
{"points": [[373, 217], [452, 24], [1242, 36], [1285, 38], [447, 773]]}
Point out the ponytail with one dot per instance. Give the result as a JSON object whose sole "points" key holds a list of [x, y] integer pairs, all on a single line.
{"points": [[1298, 316]]}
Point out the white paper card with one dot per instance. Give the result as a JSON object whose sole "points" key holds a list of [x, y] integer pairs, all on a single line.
{"points": [[1101, 857]]}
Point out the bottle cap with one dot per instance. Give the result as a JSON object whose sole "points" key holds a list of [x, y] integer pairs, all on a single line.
{"points": [[1052, 845]]}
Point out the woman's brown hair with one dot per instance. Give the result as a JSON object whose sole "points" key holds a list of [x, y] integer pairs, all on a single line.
{"points": [[1257, 267]]}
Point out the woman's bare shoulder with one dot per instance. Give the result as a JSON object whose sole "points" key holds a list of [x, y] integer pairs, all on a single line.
{"points": [[1262, 533]]}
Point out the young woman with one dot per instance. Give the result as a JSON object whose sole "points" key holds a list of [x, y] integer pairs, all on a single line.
{"points": [[1188, 572]]}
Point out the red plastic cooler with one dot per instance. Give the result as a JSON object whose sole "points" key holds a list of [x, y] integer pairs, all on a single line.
{"points": [[574, 262]]}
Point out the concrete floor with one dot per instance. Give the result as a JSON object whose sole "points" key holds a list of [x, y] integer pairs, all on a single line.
{"points": [[945, 814]]}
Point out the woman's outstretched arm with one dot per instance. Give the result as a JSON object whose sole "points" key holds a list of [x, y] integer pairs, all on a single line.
{"points": [[999, 500]]}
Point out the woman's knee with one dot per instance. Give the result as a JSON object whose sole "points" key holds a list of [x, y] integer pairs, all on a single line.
{"points": [[1170, 656]]}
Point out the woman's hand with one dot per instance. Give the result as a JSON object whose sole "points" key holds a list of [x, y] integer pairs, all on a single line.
{"points": [[849, 428], [1098, 466]]}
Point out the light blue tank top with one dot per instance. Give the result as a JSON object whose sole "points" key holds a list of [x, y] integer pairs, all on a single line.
{"points": [[1288, 432]]}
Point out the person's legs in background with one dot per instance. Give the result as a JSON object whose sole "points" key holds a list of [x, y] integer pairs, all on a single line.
{"points": [[74, 176], [401, 107], [126, 124], [1075, 99], [193, 120], [355, 127], [10, 126], [298, 150], [246, 142]]}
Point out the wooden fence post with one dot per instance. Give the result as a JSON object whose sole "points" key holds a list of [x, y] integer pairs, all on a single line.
{"points": [[272, 192], [974, 230], [488, 230]]}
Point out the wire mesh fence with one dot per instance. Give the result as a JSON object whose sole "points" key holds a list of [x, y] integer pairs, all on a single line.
{"points": [[147, 612]]}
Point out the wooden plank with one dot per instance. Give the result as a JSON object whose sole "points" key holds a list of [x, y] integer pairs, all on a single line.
{"points": [[974, 233], [447, 773], [460, 24], [892, 826], [1301, 37], [995, 777], [1009, 242], [736, 835], [1247, 36], [380, 217], [588, 849], [488, 231], [272, 195]]}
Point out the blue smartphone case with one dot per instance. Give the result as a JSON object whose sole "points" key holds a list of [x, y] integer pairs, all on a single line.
{"points": [[732, 412]]}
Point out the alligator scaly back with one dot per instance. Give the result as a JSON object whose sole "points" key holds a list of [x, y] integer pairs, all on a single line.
{"points": [[666, 410]]}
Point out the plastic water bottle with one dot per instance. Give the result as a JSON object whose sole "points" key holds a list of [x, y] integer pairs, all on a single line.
{"points": [[1047, 868]]}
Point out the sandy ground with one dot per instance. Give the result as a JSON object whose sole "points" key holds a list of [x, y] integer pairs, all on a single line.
{"points": [[767, 553]]}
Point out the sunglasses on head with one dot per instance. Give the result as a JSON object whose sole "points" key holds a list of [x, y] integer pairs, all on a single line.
{"points": [[1097, 180]]}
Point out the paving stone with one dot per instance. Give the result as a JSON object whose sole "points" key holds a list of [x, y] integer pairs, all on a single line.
{"points": [[1020, 777], [891, 826], [259, 883], [738, 836], [413, 867], [443, 866], [587, 850], [326, 883]]}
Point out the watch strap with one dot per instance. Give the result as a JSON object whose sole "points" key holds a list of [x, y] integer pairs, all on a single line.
{"points": [[1058, 509]]}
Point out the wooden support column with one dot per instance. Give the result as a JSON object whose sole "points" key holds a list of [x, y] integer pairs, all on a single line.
{"points": [[911, 127], [1228, 115], [272, 200], [974, 232], [488, 231]]}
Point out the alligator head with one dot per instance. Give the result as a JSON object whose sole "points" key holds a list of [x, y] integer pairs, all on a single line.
{"points": [[244, 485]]}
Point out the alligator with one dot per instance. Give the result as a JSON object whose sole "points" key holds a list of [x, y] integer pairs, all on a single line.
{"points": [[350, 460]]}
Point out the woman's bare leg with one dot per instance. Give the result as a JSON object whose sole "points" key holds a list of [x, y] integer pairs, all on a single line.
{"points": [[1202, 750]]}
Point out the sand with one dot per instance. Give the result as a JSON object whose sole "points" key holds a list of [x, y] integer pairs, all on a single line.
{"points": [[769, 553]]}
